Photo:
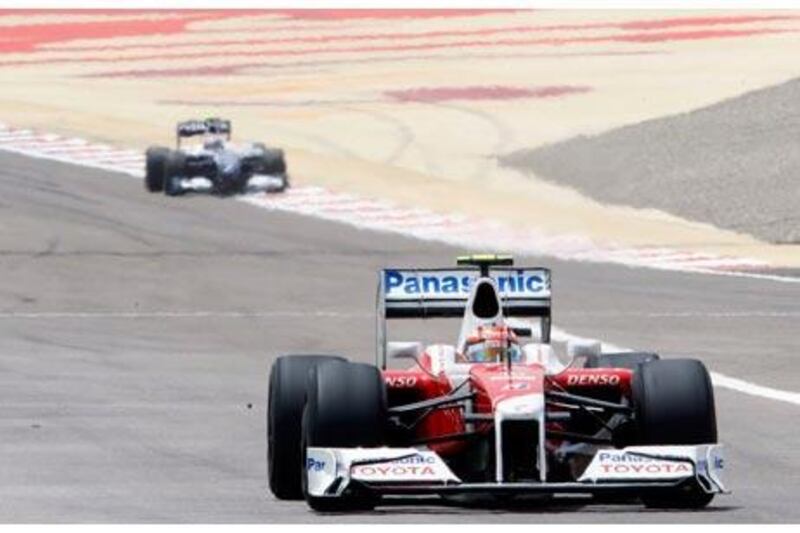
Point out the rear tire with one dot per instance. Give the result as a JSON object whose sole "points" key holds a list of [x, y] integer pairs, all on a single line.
{"points": [[155, 163], [345, 408], [674, 404], [288, 379]]}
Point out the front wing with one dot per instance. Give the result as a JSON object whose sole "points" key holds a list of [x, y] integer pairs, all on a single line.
{"points": [[335, 472], [255, 183]]}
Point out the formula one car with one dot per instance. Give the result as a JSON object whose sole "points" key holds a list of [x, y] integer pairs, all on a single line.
{"points": [[491, 416], [217, 164]]}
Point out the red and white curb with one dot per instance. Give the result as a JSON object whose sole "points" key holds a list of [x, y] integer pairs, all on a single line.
{"points": [[382, 215], [484, 234]]}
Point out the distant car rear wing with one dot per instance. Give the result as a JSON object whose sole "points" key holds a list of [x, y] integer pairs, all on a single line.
{"points": [[443, 293], [209, 126]]}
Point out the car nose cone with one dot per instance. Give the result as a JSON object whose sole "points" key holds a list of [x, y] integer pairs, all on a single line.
{"points": [[228, 164]]}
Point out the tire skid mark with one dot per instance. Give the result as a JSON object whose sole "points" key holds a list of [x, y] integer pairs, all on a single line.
{"points": [[555, 42]]}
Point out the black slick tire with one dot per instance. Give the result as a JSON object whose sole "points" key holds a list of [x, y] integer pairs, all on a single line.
{"points": [[674, 404], [174, 170], [345, 408], [288, 379], [155, 163]]}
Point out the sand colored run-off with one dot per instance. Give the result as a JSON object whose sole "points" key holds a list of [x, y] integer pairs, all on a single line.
{"points": [[409, 107]]}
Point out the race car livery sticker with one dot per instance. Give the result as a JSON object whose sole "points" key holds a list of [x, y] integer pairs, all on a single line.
{"points": [[456, 284], [593, 379], [420, 467], [329, 470], [653, 462], [400, 382], [320, 470]]}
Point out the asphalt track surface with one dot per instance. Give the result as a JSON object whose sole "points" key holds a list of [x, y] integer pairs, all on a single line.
{"points": [[136, 332]]}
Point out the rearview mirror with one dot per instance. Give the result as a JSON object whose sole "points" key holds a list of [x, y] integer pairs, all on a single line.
{"points": [[404, 350], [520, 328], [522, 331], [583, 347]]}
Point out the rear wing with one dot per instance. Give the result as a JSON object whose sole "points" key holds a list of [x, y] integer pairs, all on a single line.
{"points": [[443, 293], [211, 126]]}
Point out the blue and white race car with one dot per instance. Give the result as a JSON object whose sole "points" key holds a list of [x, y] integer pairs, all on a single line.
{"points": [[216, 165]]}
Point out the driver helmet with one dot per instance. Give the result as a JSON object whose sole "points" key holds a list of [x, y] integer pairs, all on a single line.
{"points": [[492, 344]]}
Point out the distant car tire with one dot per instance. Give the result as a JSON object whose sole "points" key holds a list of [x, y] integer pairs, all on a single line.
{"points": [[284, 184], [345, 408], [174, 171], [288, 379], [155, 163], [273, 161], [673, 401], [629, 360]]}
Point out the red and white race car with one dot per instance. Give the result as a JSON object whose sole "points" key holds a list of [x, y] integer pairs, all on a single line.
{"points": [[498, 413]]}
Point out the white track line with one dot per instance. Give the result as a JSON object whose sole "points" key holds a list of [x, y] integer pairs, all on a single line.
{"points": [[687, 314], [719, 380], [739, 385], [137, 315], [414, 222]]}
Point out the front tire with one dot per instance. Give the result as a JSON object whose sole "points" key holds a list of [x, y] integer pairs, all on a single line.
{"points": [[155, 164], [272, 162], [674, 405], [284, 184], [174, 170], [288, 379], [345, 408]]}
